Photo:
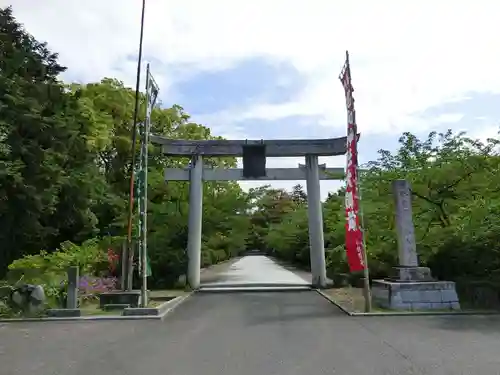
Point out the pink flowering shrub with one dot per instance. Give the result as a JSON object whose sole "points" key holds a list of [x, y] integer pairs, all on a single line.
{"points": [[91, 286]]}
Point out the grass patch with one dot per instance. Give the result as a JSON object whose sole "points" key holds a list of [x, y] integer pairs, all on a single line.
{"points": [[156, 298], [349, 298], [352, 300], [91, 309]]}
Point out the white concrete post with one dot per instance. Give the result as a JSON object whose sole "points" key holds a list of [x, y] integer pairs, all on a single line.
{"points": [[315, 216], [195, 221]]}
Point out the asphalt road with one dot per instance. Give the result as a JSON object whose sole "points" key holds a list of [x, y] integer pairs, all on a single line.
{"points": [[256, 333]]}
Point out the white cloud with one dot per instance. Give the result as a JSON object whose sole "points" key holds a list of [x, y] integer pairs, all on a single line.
{"points": [[293, 162], [448, 118], [484, 130], [406, 56]]}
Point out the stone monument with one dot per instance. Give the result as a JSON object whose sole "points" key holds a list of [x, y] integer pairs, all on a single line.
{"points": [[70, 307], [411, 287], [73, 279]]}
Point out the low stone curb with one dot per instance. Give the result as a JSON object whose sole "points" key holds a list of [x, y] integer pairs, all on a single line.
{"points": [[159, 311], [253, 289], [329, 299], [162, 311], [403, 313], [64, 313]]}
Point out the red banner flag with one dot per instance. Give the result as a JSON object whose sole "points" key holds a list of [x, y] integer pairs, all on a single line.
{"points": [[354, 235]]}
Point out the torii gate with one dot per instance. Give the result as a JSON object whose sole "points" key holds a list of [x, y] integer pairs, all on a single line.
{"points": [[254, 153]]}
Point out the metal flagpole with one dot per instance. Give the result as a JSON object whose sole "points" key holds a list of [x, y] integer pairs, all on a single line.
{"points": [[141, 206], [151, 95], [130, 250], [366, 272]]}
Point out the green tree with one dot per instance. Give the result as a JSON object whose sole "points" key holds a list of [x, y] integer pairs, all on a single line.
{"points": [[65, 153], [110, 104], [45, 177], [455, 193]]}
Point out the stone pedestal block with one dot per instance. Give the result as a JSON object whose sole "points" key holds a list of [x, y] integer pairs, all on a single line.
{"points": [[131, 298], [405, 274], [415, 295]]}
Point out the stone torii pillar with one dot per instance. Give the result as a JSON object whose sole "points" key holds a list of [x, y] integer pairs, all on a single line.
{"points": [[195, 221], [315, 219]]}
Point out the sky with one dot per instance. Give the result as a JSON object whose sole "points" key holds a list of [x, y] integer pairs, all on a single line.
{"points": [[269, 69]]}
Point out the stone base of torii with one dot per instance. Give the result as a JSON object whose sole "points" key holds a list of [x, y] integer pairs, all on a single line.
{"points": [[254, 153]]}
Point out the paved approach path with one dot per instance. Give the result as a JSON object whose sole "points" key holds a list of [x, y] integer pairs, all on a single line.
{"points": [[257, 269], [254, 333]]}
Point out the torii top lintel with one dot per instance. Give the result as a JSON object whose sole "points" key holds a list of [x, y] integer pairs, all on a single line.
{"points": [[274, 147]]}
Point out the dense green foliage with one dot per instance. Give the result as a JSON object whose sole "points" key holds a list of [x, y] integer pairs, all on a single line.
{"points": [[65, 154], [456, 202]]}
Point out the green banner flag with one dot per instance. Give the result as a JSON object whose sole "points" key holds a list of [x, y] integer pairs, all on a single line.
{"points": [[142, 177]]}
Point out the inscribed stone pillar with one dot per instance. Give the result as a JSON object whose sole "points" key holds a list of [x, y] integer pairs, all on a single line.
{"points": [[408, 269], [407, 249], [73, 278]]}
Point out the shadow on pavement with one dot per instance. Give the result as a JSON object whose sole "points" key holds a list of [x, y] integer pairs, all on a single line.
{"points": [[481, 323], [257, 319], [260, 307], [241, 287], [277, 307]]}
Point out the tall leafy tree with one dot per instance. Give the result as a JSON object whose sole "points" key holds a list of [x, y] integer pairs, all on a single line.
{"points": [[40, 126]]}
